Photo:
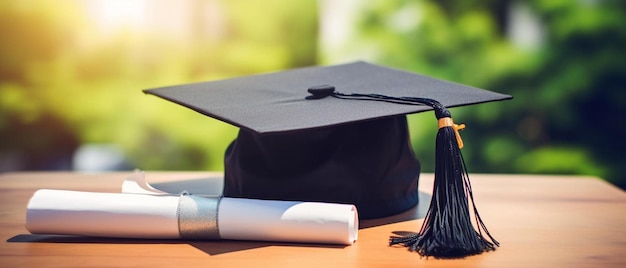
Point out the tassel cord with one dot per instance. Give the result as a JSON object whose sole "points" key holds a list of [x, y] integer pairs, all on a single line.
{"points": [[447, 230]]}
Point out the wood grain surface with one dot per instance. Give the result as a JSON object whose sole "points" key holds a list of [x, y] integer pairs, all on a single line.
{"points": [[540, 221]]}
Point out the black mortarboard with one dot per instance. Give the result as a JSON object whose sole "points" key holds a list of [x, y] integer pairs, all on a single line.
{"points": [[332, 134]]}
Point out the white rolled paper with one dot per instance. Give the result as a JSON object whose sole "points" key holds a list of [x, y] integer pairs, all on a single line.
{"points": [[125, 215], [102, 214], [288, 221]]}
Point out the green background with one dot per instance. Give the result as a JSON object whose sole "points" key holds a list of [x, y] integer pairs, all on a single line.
{"points": [[70, 76]]}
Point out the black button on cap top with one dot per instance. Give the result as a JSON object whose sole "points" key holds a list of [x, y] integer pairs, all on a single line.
{"points": [[318, 92]]}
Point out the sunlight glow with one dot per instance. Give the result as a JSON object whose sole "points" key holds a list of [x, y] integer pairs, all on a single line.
{"points": [[182, 20], [112, 14]]}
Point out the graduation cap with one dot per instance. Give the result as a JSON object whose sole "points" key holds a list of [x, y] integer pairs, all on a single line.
{"points": [[339, 134]]}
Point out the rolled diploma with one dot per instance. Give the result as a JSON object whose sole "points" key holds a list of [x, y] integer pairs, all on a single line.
{"points": [[189, 217], [289, 221], [102, 214]]}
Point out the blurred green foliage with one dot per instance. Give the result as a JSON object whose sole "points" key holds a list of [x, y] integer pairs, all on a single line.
{"points": [[63, 82], [570, 102]]}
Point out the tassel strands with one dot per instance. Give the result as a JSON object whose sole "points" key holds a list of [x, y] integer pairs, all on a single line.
{"points": [[447, 230]]}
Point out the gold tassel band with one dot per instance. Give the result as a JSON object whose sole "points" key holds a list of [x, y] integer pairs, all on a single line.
{"points": [[447, 122]]}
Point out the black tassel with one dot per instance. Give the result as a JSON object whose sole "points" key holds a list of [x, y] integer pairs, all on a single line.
{"points": [[447, 231]]}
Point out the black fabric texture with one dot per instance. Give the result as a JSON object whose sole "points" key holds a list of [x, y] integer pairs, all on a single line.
{"points": [[277, 102], [369, 164], [292, 146]]}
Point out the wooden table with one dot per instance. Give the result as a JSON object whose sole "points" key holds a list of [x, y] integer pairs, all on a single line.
{"points": [[541, 221]]}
